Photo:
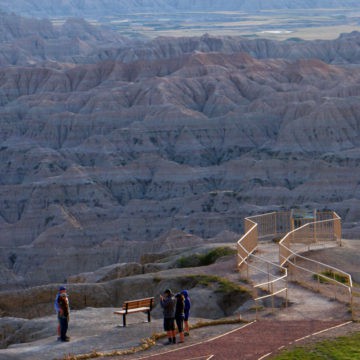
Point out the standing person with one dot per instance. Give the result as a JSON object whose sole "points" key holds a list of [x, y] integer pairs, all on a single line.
{"points": [[167, 302], [187, 307], [63, 314], [179, 315], [62, 290]]}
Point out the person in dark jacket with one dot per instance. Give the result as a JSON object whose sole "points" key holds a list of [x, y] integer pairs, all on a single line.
{"points": [[179, 315], [63, 316], [62, 290], [187, 307], [167, 302]]}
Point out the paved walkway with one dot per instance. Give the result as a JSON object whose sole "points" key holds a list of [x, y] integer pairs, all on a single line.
{"points": [[253, 341]]}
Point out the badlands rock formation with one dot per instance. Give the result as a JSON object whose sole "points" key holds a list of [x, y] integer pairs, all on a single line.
{"points": [[112, 148]]}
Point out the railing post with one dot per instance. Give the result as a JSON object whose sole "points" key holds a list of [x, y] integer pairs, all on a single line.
{"points": [[318, 277], [275, 225], [256, 304], [352, 304]]}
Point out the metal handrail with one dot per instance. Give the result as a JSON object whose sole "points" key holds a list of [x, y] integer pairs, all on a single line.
{"points": [[291, 233], [240, 242], [320, 231], [272, 281], [248, 247], [292, 255], [269, 284], [272, 294], [347, 275]]}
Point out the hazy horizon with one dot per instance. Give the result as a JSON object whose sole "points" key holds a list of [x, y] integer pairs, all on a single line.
{"points": [[272, 19]]}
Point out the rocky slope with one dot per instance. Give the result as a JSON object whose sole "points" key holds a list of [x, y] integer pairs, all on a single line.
{"points": [[112, 148], [25, 41]]}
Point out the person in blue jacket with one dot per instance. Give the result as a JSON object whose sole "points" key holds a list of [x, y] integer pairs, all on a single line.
{"points": [[59, 306], [187, 306]]}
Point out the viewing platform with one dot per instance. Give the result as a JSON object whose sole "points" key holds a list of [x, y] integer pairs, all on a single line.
{"points": [[272, 256]]}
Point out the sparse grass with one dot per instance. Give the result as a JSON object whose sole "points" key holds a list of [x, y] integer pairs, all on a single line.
{"points": [[257, 308], [277, 239], [342, 348], [244, 280], [201, 324], [145, 344], [224, 285], [205, 259], [330, 274]]}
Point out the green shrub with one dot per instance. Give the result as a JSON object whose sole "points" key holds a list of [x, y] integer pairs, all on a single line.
{"points": [[223, 285], [205, 259]]}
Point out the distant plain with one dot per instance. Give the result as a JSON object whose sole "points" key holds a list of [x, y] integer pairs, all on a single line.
{"points": [[277, 25]]}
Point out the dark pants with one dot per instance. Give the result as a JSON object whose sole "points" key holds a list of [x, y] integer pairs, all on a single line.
{"points": [[169, 324], [63, 326], [180, 323]]}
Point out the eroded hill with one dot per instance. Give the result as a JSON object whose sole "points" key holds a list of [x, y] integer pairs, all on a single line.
{"points": [[111, 148]]}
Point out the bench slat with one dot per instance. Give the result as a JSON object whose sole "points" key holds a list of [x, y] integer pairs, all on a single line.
{"points": [[133, 305], [140, 309]]}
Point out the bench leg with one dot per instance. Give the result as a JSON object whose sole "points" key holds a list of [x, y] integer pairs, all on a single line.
{"points": [[148, 314], [124, 320]]}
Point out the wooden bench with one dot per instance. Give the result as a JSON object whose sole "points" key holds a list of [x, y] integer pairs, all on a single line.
{"points": [[132, 306]]}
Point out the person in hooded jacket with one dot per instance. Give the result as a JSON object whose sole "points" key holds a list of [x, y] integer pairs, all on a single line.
{"points": [[187, 306], [179, 315]]}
